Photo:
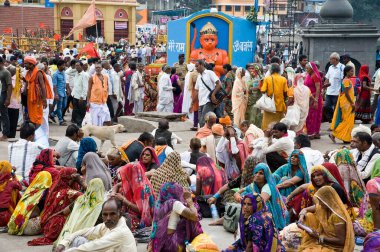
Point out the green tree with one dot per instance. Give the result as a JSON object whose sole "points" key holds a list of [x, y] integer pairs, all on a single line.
{"points": [[365, 9]]}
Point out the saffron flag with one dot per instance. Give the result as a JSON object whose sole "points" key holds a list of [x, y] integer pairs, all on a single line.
{"points": [[89, 50], [8, 30], [88, 19]]}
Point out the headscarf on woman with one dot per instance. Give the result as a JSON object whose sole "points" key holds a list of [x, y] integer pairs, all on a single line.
{"points": [[170, 171], [154, 157], [169, 193], [62, 194], [138, 190], [28, 202], [275, 204], [253, 83], [258, 228], [44, 162], [239, 98], [9, 192], [285, 173], [301, 99], [87, 144], [331, 199], [211, 176], [372, 242], [86, 210], [291, 74], [95, 168], [352, 182]]}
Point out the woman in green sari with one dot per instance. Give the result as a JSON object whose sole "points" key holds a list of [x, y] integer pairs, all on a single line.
{"points": [[254, 82], [86, 210]]}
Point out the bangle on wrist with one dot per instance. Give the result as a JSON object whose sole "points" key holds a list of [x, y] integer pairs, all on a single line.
{"points": [[216, 196]]}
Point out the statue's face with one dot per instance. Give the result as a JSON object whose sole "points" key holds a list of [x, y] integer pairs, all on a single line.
{"points": [[209, 41]]}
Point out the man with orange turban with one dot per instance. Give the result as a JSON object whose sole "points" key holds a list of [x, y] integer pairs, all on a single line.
{"points": [[38, 91]]}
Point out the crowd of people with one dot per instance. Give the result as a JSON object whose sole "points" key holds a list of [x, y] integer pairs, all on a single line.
{"points": [[251, 164]]}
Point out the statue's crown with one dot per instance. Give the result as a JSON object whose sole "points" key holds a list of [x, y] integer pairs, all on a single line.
{"points": [[208, 29]]}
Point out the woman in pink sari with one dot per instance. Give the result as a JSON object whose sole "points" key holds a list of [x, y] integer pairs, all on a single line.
{"points": [[314, 119]]}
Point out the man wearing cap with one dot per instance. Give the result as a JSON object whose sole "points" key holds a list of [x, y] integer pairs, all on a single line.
{"points": [[347, 61], [165, 92], [38, 91], [5, 98]]}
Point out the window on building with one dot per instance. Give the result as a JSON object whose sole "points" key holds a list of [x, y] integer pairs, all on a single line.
{"points": [[247, 8], [32, 1], [219, 8], [238, 8], [228, 8], [282, 7]]}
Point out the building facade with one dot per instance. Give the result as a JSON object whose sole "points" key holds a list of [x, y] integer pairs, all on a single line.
{"points": [[238, 8], [116, 19]]}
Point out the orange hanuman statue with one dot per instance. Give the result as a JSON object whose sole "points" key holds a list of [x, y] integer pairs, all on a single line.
{"points": [[208, 50]]}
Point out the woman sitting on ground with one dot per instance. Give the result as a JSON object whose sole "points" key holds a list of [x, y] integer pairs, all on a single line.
{"points": [[293, 174], [330, 224], [45, 161], [26, 216], [263, 184], [149, 161], [175, 220], [94, 167], [114, 162], [136, 193], [86, 210], [210, 177], [61, 197], [10, 189], [257, 230], [86, 145]]}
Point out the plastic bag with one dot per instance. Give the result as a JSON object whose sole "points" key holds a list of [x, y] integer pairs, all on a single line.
{"points": [[292, 117]]}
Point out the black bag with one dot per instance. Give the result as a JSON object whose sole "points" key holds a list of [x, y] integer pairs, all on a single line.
{"points": [[220, 95]]}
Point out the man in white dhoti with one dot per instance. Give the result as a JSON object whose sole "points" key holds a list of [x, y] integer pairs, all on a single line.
{"points": [[186, 104], [137, 85], [165, 92], [97, 98]]}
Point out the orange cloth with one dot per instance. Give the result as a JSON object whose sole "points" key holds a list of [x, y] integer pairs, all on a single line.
{"points": [[203, 132], [99, 91], [159, 149], [34, 99], [226, 121]]}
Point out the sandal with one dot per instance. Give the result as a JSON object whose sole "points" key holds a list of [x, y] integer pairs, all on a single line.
{"points": [[332, 138]]}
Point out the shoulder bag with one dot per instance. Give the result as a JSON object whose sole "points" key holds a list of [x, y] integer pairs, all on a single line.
{"points": [[220, 95], [266, 103]]}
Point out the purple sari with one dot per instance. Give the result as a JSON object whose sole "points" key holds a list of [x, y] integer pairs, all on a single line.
{"points": [[177, 94], [258, 228], [314, 118], [186, 230], [127, 106]]}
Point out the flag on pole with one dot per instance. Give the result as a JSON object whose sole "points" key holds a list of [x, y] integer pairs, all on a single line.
{"points": [[88, 19], [89, 50]]}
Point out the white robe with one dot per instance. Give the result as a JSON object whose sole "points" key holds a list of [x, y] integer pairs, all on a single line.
{"points": [[186, 104]]}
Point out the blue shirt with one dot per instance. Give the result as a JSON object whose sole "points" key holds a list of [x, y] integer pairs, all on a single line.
{"points": [[59, 81]]}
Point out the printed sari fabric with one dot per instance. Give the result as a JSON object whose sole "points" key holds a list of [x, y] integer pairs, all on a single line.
{"points": [[9, 192], [285, 172], [44, 162], [228, 82], [186, 229], [257, 228], [62, 194], [275, 204], [138, 190], [363, 104], [28, 202], [254, 82], [211, 176], [150, 95], [324, 222], [353, 184], [86, 211], [372, 241], [344, 116]]}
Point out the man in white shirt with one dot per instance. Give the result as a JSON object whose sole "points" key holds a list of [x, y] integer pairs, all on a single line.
{"points": [[312, 157], [280, 146], [68, 146], [112, 83], [165, 91], [365, 154], [111, 235], [79, 94], [66, 51], [202, 92], [333, 83], [376, 78], [137, 85], [23, 153]]}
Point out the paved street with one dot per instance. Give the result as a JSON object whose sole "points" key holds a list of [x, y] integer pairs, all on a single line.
{"points": [[218, 234]]}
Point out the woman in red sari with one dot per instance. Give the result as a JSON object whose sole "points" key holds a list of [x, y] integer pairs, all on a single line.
{"points": [[363, 102], [314, 119], [45, 162], [9, 192], [137, 195], [210, 178], [62, 195]]}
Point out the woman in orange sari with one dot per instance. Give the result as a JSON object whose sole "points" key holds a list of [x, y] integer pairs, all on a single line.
{"points": [[9, 192]]}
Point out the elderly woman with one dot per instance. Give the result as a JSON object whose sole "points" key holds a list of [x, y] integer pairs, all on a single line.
{"points": [[257, 232], [175, 220], [114, 161], [329, 226], [25, 218], [264, 184], [239, 97], [293, 174], [136, 193], [62, 195], [10, 189]]}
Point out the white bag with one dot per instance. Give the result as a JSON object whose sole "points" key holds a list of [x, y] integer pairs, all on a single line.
{"points": [[292, 117], [266, 103], [87, 120]]}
